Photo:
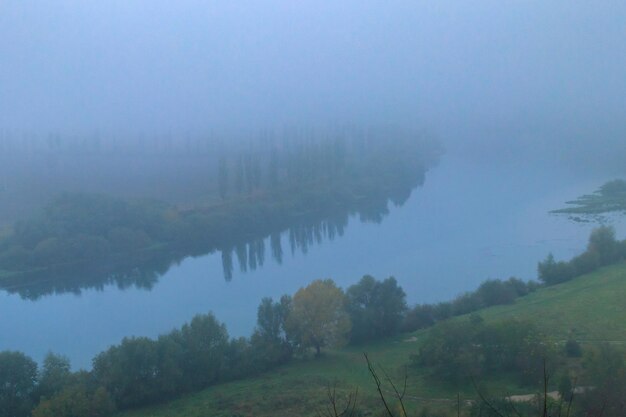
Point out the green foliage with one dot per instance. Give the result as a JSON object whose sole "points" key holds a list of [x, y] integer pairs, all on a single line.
{"points": [[605, 375], [80, 227], [589, 306], [204, 342], [130, 372], [419, 317], [602, 249], [451, 351], [376, 308], [270, 341], [495, 292], [142, 371], [18, 377], [552, 272], [602, 242], [55, 375], [489, 293], [459, 350], [76, 401]]}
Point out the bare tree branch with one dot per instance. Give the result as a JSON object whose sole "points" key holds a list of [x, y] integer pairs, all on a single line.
{"points": [[332, 410], [395, 389], [485, 401], [378, 384]]}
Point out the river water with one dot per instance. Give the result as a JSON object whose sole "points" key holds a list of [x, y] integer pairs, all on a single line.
{"points": [[473, 219]]}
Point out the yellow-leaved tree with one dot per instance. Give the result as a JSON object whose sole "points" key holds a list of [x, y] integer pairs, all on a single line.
{"points": [[318, 317]]}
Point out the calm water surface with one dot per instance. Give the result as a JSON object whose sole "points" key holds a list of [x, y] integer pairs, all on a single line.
{"points": [[472, 220]]}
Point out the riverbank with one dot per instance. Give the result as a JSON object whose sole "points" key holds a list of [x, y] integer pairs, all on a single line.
{"points": [[589, 308]]}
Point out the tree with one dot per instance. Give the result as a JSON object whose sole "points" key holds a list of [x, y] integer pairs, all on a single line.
{"points": [[129, 372], [271, 317], [494, 292], [54, 375], [270, 339], [18, 376], [552, 272], [602, 241], [318, 317], [376, 308], [204, 342]]}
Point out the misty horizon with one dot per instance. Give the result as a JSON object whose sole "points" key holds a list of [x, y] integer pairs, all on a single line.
{"points": [[529, 69]]}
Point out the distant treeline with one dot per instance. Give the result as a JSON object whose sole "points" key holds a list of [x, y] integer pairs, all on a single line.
{"points": [[309, 189], [185, 143], [100, 142]]}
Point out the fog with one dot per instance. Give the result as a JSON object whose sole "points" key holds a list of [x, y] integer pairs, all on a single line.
{"points": [[517, 69], [200, 192]]}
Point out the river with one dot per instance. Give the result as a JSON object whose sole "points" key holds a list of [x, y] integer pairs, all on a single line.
{"points": [[473, 219]]}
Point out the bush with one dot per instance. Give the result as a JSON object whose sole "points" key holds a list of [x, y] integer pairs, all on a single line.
{"points": [[602, 241], [458, 350], [602, 249], [466, 303], [489, 293], [419, 317], [18, 376], [76, 400], [496, 292], [552, 272], [605, 371]]}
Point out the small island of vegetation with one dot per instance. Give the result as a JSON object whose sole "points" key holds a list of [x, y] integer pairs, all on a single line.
{"points": [[609, 198]]}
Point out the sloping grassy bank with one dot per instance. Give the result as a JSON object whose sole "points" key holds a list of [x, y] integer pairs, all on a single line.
{"points": [[590, 308]]}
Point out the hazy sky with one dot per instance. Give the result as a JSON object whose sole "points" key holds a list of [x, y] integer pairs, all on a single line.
{"points": [[155, 65]]}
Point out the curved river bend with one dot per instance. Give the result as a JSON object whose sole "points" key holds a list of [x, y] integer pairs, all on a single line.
{"points": [[470, 221]]}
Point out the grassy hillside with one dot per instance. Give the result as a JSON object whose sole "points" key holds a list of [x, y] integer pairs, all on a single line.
{"points": [[589, 308]]}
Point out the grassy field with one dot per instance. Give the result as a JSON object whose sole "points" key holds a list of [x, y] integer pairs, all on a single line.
{"points": [[591, 308]]}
